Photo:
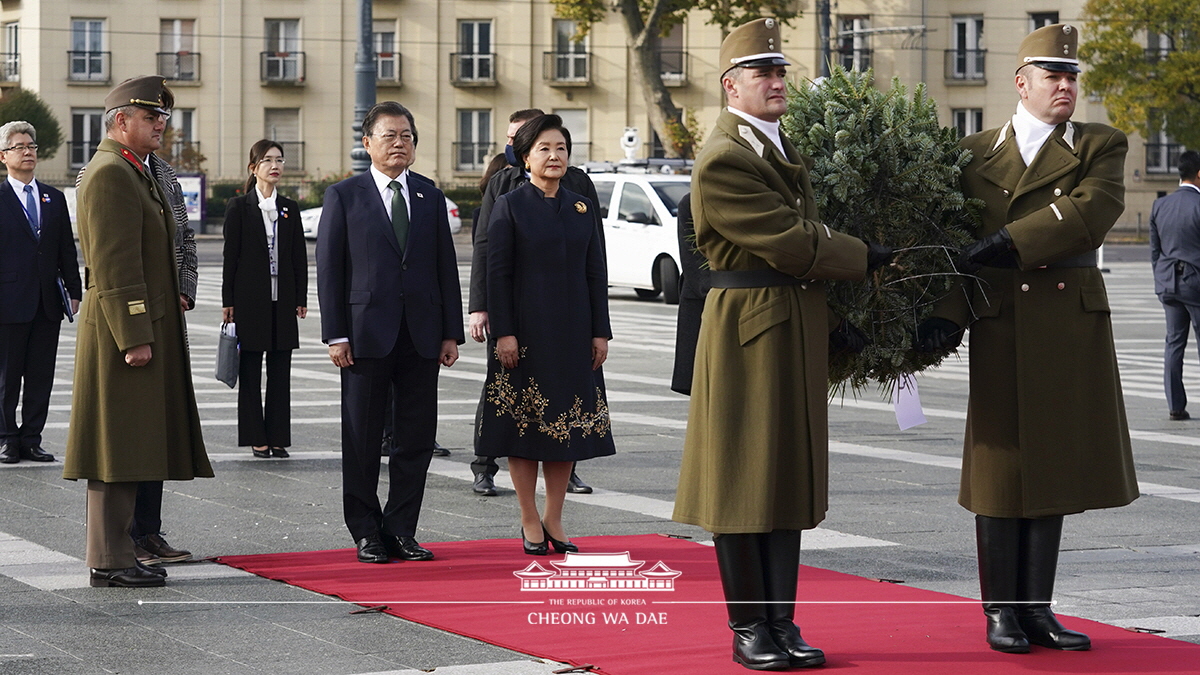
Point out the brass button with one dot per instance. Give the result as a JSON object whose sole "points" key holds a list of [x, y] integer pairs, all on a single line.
{"points": [[1024, 287], [1061, 285]]}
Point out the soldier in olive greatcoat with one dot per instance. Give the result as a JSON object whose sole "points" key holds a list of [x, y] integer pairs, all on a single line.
{"points": [[755, 462], [133, 415], [1046, 431]]}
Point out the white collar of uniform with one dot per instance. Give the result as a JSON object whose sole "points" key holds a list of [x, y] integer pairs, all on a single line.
{"points": [[19, 188], [381, 181], [1181, 184], [770, 129], [1029, 132]]}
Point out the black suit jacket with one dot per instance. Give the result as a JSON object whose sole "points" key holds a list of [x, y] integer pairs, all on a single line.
{"points": [[1175, 238], [30, 267], [367, 286], [246, 282]]}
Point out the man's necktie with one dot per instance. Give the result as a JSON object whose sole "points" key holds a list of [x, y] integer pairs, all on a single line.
{"points": [[31, 211], [399, 214]]}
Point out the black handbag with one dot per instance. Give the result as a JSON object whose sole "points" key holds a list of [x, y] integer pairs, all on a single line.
{"points": [[227, 355]]}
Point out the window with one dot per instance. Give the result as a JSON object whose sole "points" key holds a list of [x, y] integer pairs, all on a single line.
{"points": [[283, 125], [636, 206], [474, 147], [177, 57], [570, 57], [965, 60], [87, 130], [282, 59], [387, 61], [180, 148], [967, 120], [854, 48], [88, 60], [1041, 20], [1162, 154], [672, 59], [12, 53], [475, 59], [576, 121], [1158, 46], [604, 190]]}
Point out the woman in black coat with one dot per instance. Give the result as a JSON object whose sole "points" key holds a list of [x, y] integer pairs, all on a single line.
{"points": [[264, 289]]}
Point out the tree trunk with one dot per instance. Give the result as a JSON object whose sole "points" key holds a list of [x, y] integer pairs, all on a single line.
{"points": [[641, 37]]}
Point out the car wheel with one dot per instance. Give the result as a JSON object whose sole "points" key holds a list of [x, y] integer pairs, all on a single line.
{"points": [[668, 279], [646, 293]]}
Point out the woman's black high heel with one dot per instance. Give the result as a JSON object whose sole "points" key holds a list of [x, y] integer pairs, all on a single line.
{"points": [[540, 548], [559, 546]]}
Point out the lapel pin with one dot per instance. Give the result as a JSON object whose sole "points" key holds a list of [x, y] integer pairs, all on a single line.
{"points": [[45, 199], [421, 195], [581, 207]]}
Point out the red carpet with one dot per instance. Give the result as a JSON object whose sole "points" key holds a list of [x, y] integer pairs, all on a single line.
{"points": [[470, 589]]}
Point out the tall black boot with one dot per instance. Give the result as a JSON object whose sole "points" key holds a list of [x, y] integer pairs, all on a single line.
{"points": [[781, 553], [741, 565], [998, 542], [1040, 539]]}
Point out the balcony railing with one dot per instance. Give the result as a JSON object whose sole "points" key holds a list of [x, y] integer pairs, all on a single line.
{"points": [[1158, 55], [1163, 157], [293, 155], [10, 67], [387, 69], [567, 69], [473, 70], [472, 156], [282, 67], [965, 64], [179, 66], [88, 66], [80, 152], [854, 59], [673, 67], [581, 153]]}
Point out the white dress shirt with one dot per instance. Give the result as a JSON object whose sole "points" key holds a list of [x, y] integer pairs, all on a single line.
{"points": [[19, 188], [771, 129], [385, 192]]}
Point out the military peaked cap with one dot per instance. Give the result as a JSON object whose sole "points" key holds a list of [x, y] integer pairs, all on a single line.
{"points": [[148, 91], [1052, 47], [753, 45]]}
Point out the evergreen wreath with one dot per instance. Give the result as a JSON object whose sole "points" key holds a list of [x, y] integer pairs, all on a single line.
{"points": [[884, 171]]}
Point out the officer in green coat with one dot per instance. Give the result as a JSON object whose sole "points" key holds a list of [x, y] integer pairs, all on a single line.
{"points": [[133, 414], [1046, 431], [756, 463]]}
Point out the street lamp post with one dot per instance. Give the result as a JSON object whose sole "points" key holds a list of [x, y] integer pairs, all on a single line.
{"points": [[364, 86]]}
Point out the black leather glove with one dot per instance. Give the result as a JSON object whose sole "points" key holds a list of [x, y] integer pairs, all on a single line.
{"points": [[983, 251], [847, 338], [936, 334], [878, 255]]}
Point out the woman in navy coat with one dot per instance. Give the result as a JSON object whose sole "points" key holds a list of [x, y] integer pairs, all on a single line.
{"points": [[548, 310], [264, 289]]}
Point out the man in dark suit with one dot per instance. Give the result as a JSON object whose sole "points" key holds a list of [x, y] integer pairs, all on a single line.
{"points": [[391, 312], [37, 249], [1175, 254], [508, 178]]}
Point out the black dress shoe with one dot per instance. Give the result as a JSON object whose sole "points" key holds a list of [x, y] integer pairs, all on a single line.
{"points": [[1180, 415], [559, 546], [279, 452], [484, 485], [11, 454], [540, 548], [577, 486], [439, 451], [406, 548], [130, 577], [152, 570], [155, 545], [1044, 630], [265, 453], [372, 550], [36, 454]]}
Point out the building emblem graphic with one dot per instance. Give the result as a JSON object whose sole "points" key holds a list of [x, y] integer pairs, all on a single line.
{"points": [[597, 572]]}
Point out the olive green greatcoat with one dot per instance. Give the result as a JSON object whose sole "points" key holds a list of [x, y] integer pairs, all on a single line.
{"points": [[127, 423], [756, 455], [1046, 430]]}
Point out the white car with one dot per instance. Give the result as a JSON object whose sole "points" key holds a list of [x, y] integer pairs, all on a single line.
{"points": [[310, 219], [640, 233]]}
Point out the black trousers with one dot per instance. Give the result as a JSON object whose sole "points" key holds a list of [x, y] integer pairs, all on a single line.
{"points": [[27, 355], [147, 509], [364, 400], [272, 425]]}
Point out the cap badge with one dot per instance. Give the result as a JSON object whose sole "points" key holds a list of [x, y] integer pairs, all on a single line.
{"points": [[581, 207]]}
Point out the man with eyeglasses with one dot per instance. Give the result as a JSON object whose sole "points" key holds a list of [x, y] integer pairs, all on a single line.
{"points": [[133, 415], [39, 281], [391, 312], [151, 547]]}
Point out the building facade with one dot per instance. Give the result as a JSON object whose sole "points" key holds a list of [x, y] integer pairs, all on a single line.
{"points": [[284, 69]]}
